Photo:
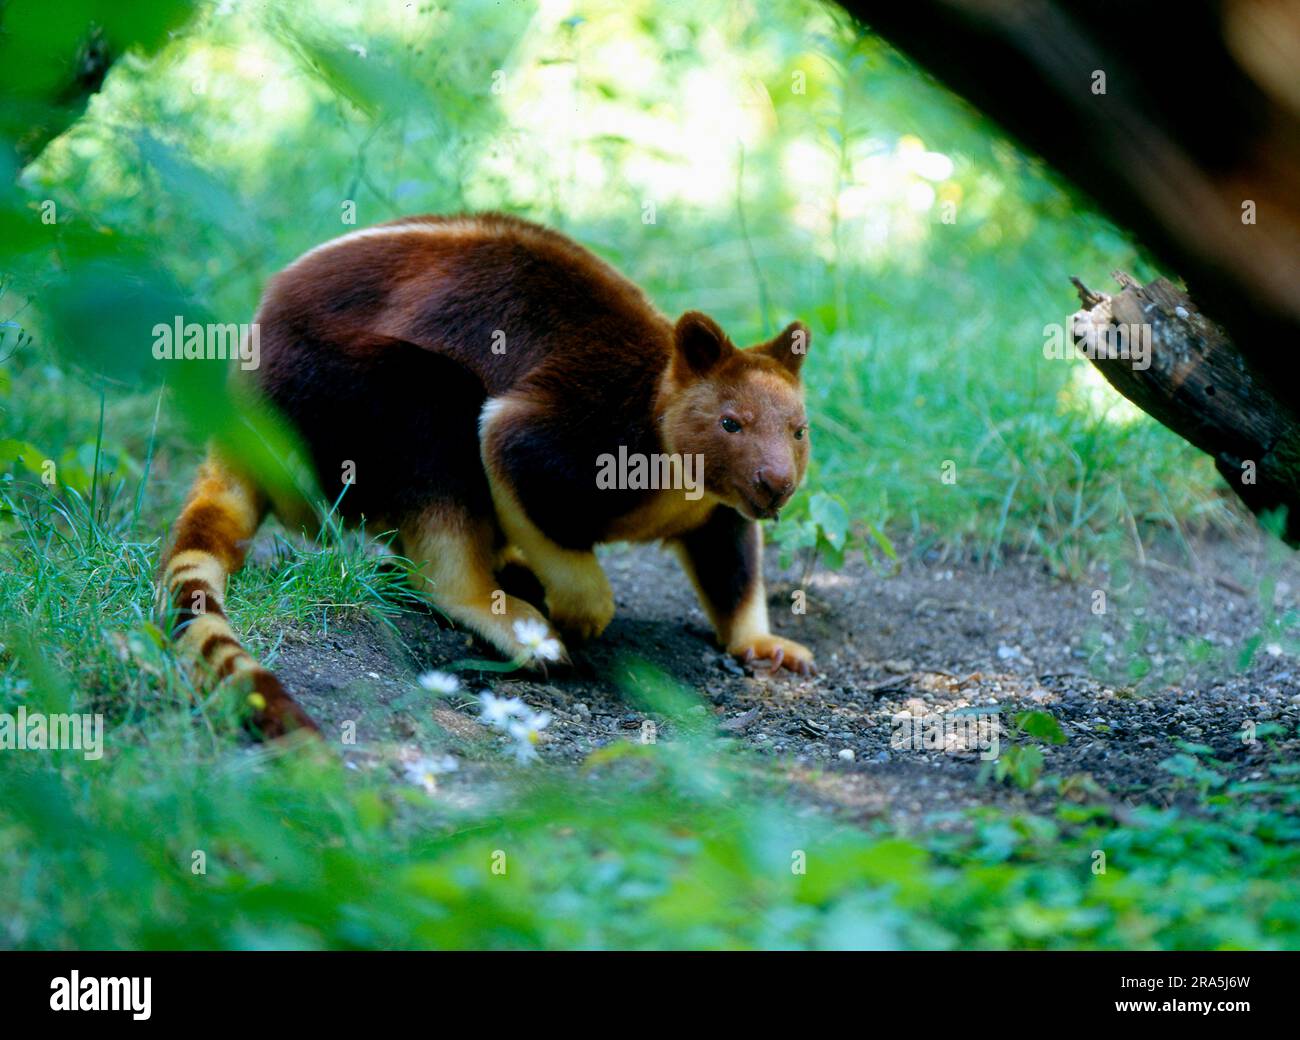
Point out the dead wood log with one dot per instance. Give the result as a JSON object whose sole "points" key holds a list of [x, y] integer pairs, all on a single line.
{"points": [[1156, 348]]}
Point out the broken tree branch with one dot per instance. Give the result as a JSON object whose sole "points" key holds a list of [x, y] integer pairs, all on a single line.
{"points": [[1155, 347]]}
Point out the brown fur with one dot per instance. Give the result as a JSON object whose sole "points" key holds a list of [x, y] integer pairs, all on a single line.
{"points": [[379, 348]]}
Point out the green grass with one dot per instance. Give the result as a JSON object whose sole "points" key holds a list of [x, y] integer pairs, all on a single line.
{"points": [[85, 590]]}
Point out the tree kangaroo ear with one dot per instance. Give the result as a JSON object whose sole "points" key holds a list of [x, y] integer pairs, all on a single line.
{"points": [[789, 346], [700, 342]]}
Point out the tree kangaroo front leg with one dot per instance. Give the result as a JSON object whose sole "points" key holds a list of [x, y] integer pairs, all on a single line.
{"points": [[579, 600], [724, 558]]}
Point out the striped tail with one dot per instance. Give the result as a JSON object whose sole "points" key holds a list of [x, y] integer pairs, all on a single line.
{"points": [[221, 515]]}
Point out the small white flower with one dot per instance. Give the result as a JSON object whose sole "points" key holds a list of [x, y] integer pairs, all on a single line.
{"points": [[498, 711], [527, 732], [439, 682], [530, 631], [424, 772], [534, 635], [515, 718], [550, 650]]}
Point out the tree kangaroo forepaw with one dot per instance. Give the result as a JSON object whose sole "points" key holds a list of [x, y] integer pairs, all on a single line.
{"points": [[777, 651]]}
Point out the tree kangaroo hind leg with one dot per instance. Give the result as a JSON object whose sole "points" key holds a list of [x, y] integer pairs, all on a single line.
{"points": [[579, 599], [452, 553]]}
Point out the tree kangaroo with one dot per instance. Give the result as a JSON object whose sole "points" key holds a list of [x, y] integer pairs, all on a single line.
{"points": [[501, 395]]}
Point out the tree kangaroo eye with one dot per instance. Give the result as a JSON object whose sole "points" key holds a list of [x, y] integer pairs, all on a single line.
{"points": [[799, 432], [730, 425]]}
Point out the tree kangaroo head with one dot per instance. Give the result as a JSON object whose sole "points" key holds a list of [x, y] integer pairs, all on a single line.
{"points": [[742, 410]]}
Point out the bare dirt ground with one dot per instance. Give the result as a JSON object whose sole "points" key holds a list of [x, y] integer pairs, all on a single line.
{"points": [[939, 638]]}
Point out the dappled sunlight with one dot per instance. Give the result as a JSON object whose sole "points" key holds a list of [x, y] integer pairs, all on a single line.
{"points": [[873, 204], [593, 120]]}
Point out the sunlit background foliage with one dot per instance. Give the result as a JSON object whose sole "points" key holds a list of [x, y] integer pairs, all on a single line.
{"points": [[757, 161], [790, 167]]}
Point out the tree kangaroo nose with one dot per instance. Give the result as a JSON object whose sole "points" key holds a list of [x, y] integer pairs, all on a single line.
{"points": [[774, 482]]}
